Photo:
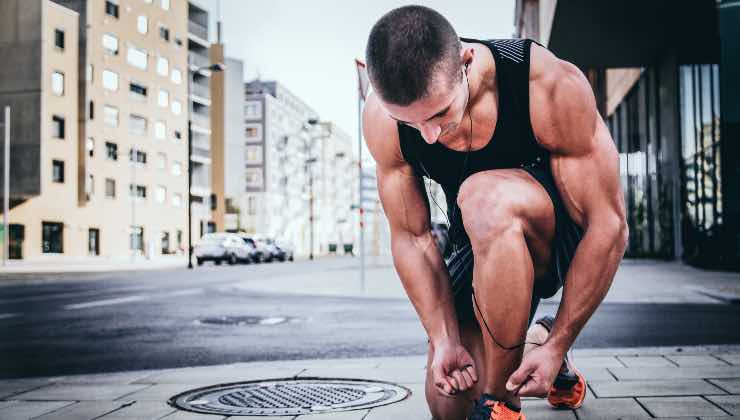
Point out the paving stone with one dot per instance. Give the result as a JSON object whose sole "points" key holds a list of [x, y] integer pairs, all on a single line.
{"points": [[343, 415], [408, 375], [653, 388], [730, 385], [538, 409], [186, 415], [102, 378], [645, 361], [220, 374], [160, 392], [680, 407], [695, 360], [141, 410], [84, 410], [17, 410], [596, 362], [611, 409], [413, 407], [596, 373], [9, 387], [666, 373], [731, 403], [80, 392], [733, 358]]}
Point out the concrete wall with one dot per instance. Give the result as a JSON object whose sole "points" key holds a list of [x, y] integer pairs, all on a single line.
{"points": [[234, 183], [20, 88]]}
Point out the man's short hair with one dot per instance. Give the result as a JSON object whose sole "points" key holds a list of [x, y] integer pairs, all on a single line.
{"points": [[406, 48]]}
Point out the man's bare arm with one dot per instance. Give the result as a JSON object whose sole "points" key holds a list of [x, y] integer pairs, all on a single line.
{"points": [[585, 166], [415, 254]]}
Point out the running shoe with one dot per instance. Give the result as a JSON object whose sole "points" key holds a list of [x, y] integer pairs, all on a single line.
{"points": [[487, 408], [569, 388]]}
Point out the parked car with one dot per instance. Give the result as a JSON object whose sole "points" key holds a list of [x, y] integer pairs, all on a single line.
{"points": [[262, 252], [220, 247], [287, 250]]}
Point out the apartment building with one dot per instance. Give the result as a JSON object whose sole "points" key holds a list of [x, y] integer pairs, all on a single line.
{"points": [[663, 77], [99, 154]]}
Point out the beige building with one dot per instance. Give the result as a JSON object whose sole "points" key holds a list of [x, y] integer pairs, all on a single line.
{"points": [[105, 170]]}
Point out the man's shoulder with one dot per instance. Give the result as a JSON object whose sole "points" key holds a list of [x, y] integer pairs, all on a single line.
{"points": [[380, 132]]}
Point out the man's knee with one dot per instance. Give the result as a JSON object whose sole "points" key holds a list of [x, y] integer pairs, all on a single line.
{"points": [[491, 208]]}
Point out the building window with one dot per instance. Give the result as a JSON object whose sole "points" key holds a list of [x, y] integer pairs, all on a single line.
{"points": [[57, 83], [57, 171], [89, 186], [91, 110], [90, 146], [59, 38], [176, 107], [137, 90], [111, 151], [176, 200], [165, 242], [160, 194], [178, 135], [163, 66], [165, 4], [254, 177], [161, 161], [93, 241], [176, 76], [110, 116], [163, 98], [253, 133], [110, 80], [136, 239], [89, 73], [110, 188], [137, 125], [57, 127], [137, 191], [110, 44], [137, 156], [253, 110], [176, 168], [164, 33], [254, 154], [111, 8], [179, 239], [137, 57], [52, 237], [252, 205], [142, 24], [160, 130]]}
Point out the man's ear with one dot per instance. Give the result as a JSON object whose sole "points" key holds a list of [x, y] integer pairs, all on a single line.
{"points": [[466, 56]]}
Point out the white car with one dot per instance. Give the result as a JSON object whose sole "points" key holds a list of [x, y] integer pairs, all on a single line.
{"points": [[220, 247]]}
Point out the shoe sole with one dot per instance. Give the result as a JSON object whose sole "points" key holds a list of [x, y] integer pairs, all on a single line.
{"points": [[577, 405]]}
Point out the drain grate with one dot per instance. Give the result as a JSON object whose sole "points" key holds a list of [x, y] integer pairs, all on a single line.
{"points": [[289, 397]]}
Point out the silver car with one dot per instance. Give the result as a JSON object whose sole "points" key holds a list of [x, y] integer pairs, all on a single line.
{"points": [[220, 247]]}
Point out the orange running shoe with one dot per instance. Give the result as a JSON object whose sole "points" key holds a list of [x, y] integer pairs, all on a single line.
{"points": [[569, 388], [487, 408]]}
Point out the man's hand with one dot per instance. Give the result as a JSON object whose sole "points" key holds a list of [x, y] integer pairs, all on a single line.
{"points": [[536, 373], [452, 369]]}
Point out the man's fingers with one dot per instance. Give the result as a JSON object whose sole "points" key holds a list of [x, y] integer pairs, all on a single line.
{"points": [[444, 387], [471, 371], [462, 383], [532, 388], [519, 376]]}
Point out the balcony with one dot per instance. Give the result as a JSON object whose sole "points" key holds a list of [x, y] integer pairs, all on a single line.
{"points": [[196, 60], [198, 30], [201, 120], [202, 91]]}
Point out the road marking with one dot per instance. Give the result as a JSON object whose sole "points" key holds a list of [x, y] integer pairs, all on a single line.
{"points": [[106, 302], [6, 316], [184, 292]]}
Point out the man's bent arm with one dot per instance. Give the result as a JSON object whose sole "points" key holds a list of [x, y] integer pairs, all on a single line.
{"points": [[415, 254]]}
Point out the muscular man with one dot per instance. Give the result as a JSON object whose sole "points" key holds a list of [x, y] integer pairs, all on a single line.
{"points": [[531, 177]]}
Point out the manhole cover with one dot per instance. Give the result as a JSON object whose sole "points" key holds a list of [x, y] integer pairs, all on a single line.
{"points": [[289, 397], [246, 320]]}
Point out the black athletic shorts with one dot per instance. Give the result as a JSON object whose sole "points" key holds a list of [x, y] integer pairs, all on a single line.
{"points": [[567, 236]]}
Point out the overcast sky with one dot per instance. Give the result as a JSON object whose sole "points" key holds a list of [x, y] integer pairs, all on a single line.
{"points": [[310, 46]]}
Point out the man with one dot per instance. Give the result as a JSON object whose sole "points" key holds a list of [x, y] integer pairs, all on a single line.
{"points": [[531, 177]]}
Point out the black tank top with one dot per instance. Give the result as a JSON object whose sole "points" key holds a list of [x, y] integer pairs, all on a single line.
{"points": [[513, 144]]}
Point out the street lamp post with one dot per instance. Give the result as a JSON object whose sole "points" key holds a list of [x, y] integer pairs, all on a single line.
{"points": [[212, 67]]}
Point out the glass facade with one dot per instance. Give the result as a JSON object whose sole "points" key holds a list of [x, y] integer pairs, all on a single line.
{"points": [[700, 162], [635, 128]]}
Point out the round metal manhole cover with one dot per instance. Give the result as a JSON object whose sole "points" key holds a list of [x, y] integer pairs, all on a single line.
{"points": [[289, 397]]}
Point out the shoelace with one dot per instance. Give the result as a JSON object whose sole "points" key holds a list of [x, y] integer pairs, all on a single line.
{"points": [[485, 409]]}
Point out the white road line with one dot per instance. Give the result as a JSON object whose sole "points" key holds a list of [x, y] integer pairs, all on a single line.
{"points": [[6, 316], [184, 292], [106, 302]]}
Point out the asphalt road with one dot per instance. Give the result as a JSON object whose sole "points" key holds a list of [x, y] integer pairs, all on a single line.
{"points": [[89, 323]]}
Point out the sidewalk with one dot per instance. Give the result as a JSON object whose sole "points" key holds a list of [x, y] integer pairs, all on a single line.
{"points": [[668, 383], [63, 264]]}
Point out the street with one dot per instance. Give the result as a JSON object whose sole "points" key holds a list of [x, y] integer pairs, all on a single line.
{"points": [[61, 324]]}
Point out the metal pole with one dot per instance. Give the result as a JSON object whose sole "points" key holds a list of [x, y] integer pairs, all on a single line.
{"points": [[6, 188], [190, 184], [359, 198], [310, 208], [132, 161]]}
